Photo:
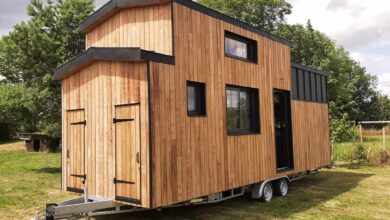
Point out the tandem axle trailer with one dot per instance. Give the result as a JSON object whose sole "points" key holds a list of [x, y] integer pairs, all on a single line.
{"points": [[84, 207]]}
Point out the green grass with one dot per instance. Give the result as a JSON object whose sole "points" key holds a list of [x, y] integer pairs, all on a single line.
{"points": [[27, 181], [348, 191]]}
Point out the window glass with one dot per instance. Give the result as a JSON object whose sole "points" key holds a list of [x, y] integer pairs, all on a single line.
{"points": [[232, 109], [242, 110], [191, 94], [238, 46], [196, 99]]}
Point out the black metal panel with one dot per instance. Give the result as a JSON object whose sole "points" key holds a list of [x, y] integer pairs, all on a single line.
{"points": [[301, 85], [319, 90], [307, 86], [313, 87], [324, 93], [294, 82]]}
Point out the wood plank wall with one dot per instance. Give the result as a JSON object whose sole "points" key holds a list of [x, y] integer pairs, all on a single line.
{"points": [[193, 156], [97, 89], [149, 28], [311, 135]]}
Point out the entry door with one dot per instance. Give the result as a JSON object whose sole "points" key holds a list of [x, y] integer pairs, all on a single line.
{"points": [[283, 130], [75, 150], [128, 153]]}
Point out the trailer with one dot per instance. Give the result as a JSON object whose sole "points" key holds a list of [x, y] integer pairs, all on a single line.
{"points": [[174, 103]]}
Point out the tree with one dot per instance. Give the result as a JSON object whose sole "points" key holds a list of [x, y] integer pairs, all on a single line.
{"points": [[30, 53], [264, 14]]}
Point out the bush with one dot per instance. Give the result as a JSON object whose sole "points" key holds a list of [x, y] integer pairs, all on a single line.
{"points": [[378, 156], [358, 153]]}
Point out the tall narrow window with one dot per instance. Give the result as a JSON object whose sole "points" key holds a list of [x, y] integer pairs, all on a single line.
{"points": [[242, 110], [196, 99], [240, 47]]}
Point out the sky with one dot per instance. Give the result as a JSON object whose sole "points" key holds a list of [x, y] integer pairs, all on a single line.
{"points": [[360, 26]]}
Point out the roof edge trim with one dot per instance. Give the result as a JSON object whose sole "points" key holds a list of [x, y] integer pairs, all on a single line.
{"points": [[111, 8], [125, 54], [310, 69]]}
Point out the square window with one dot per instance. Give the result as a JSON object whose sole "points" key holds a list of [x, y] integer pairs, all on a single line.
{"points": [[242, 110], [196, 99], [240, 47]]}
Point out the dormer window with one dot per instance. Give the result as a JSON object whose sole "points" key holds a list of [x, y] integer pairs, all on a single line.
{"points": [[240, 47]]}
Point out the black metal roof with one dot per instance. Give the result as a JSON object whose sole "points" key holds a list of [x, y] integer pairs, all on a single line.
{"points": [[94, 54]]}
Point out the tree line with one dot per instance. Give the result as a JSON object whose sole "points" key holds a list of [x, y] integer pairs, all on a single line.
{"points": [[30, 99]]}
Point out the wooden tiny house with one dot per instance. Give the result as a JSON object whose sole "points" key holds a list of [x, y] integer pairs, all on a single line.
{"points": [[174, 101]]}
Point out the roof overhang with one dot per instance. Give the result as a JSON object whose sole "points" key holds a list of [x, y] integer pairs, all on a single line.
{"points": [[113, 7], [94, 54], [310, 69]]}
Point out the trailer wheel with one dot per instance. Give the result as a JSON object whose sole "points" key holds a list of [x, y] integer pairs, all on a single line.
{"points": [[267, 193], [281, 187]]}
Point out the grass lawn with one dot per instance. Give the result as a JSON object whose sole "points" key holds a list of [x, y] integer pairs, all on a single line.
{"points": [[27, 181], [348, 191]]}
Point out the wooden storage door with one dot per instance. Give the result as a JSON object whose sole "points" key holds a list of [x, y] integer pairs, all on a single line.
{"points": [[128, 155], [75, 150]]}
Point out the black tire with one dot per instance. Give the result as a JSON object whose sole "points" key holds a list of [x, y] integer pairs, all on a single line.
{"points": [[281, 187], [267, 193]]}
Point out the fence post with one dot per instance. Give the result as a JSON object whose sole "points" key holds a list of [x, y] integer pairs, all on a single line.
{"points": [[384, 137], [361, 133]]}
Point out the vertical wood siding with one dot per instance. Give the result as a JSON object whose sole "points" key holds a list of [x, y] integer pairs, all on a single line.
{"points": [[193, 156], [149, 28], [97, 89]]}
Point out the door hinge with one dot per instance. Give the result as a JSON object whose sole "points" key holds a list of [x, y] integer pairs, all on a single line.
{"points": [[79, 123], [114, 120], [116, 181], [137, 157]]}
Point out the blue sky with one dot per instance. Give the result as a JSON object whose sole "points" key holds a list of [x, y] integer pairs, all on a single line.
{"points": [[360, 26]]}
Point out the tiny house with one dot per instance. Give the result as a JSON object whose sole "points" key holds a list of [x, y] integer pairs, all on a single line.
{"points": [[173, 101]]}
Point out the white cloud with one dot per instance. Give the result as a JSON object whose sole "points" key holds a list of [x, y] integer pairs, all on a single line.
{"points": [[360, 26], [384, 83]]}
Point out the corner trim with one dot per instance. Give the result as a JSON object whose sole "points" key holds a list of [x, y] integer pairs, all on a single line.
{"points": [[150, 137]]}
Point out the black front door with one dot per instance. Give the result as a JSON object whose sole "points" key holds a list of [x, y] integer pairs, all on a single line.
{"points": [[283, 131]]}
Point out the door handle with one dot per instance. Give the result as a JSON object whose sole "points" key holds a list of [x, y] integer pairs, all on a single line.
{"points": [[137, 157], [67, 153]]}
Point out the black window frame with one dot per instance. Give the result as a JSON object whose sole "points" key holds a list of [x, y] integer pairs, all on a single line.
{"points": [[252, 53], [254, 107], [200, 92]]}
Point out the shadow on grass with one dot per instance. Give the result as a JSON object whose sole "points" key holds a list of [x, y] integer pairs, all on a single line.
{"points": [[304, 194], [50, 170]]}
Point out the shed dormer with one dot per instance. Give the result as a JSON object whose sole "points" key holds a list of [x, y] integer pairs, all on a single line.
{"points": [[146, 24]]}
